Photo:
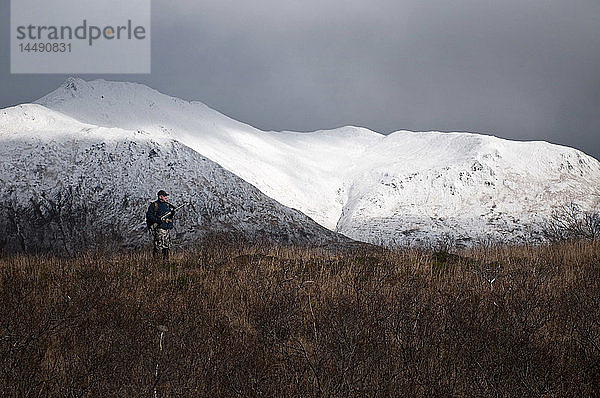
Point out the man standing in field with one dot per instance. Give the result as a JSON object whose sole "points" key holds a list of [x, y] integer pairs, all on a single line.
{"points": [[159, 218]]}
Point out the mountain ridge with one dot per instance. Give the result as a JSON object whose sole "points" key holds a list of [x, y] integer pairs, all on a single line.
{"points": [[403, 188], [69, 186]]}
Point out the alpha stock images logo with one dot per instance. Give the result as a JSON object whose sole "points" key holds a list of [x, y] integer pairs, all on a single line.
{"points": [[78, 36]]}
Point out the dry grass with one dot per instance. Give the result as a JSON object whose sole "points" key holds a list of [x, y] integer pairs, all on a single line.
{"points": [[273, 321]]}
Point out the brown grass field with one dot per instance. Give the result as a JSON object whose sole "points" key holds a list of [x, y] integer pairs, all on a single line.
{"points": [[248, 321]]}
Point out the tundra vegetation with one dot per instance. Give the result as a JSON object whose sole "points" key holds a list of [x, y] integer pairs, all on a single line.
{"points": [[237, 319]]}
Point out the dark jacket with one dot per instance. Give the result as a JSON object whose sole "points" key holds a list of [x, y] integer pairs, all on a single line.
{"points": [[156, 210]]}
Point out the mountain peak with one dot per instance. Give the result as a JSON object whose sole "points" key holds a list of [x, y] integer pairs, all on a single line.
{"points": [[75, 87], [71, 83], [400, 188], [126, 105]]}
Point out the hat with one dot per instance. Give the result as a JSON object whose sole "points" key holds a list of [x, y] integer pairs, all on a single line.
{"points": [[162, 193]]}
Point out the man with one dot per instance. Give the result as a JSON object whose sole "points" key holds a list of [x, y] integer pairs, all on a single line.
{"points": [[160, 215]]}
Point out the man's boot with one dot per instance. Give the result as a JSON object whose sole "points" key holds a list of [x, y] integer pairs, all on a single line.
{"points": [[155, 253], [165, 253]]}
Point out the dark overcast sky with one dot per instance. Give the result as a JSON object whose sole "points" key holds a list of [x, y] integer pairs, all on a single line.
{"points": [[518, 69]]}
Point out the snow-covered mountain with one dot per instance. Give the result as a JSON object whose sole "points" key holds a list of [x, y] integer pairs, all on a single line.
{"points": [[66, 185], [468, 187], [401, 188]]}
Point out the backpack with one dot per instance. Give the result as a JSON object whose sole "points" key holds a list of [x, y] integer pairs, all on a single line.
{"points": [[149, 223]]}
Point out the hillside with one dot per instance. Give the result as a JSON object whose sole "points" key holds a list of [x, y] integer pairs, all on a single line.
{"points": [[403, 188], [68, 186]]}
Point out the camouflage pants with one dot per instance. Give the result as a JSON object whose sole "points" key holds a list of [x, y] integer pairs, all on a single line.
{"points": [[162, 239]]}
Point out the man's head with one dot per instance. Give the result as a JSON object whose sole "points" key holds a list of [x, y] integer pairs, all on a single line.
{"points": [[162, 195]]}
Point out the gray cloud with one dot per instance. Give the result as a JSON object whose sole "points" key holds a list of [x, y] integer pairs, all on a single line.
{"points": [[516, 69]]}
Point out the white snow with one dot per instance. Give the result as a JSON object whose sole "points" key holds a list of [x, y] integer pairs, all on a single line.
{"points": [[70, 183], [402, 188]]}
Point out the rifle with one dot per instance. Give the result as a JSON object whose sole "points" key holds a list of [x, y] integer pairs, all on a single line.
{"points": [[164, 217]]}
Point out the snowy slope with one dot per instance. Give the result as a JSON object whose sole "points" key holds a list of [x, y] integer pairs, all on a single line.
{"points": [[301, 170], [402, 188], [66, 184], [469, 187]]}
